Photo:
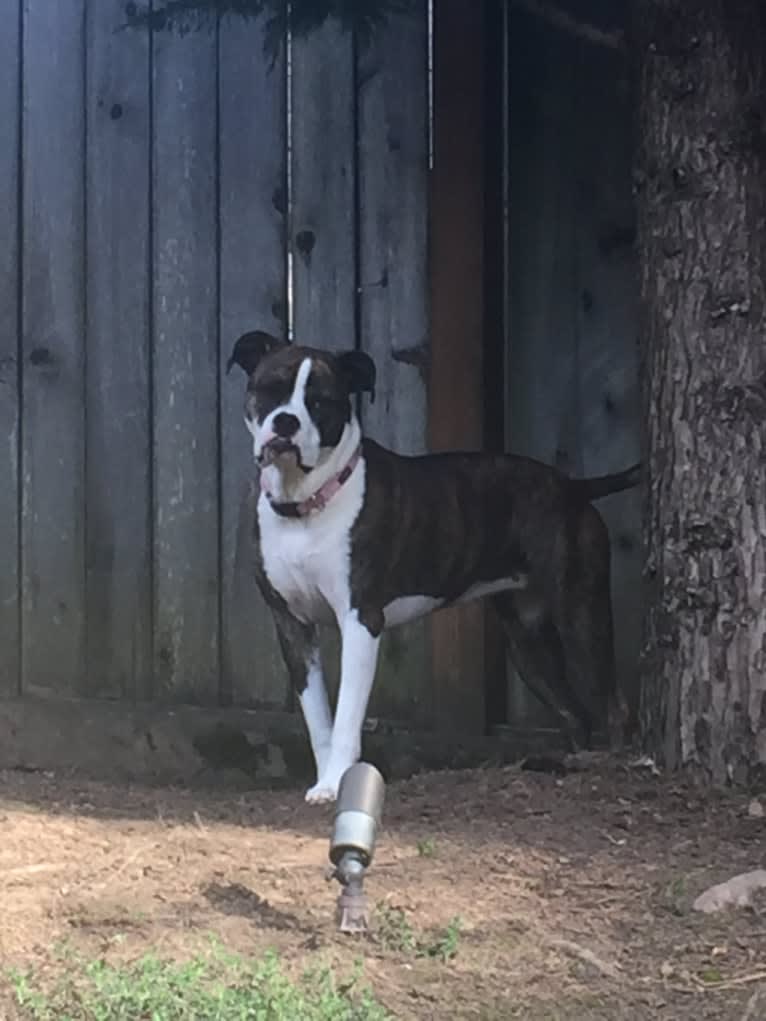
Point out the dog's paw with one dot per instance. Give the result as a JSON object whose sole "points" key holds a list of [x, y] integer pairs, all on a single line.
{"points": [[321, 793], [326, 787]]}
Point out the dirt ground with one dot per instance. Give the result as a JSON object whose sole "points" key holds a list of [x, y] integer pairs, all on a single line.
{"points": [[573, 892]]}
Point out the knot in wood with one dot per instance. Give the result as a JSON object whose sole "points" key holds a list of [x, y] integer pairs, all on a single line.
{"points": [[40, 356], [279, 200], [304, 242]]}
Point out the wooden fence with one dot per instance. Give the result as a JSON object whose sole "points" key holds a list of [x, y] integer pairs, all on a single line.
{"points": [[154, 208]]}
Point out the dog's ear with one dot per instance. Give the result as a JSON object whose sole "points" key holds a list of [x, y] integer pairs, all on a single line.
{"points": [[251, 348], [359, 372]]}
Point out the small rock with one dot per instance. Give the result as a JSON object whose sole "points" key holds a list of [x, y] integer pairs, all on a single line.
{"points": [[755, 809], [736, 892]]}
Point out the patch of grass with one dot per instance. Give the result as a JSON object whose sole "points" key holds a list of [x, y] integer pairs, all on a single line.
{"points": [[711, 975], [674, 896], [427, 847], [216, 987], [394, 932], [444, 945]]}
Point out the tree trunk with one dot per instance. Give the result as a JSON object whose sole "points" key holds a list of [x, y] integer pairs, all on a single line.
{"points": [[701, 194]]}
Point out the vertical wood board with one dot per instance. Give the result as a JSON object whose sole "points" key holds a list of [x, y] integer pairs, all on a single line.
{"points": [[186, 369], [118, 469], [545, 101], [253, 234], [10, 53], [53, 582], [323, 231], [609, 362], [457, 301]]}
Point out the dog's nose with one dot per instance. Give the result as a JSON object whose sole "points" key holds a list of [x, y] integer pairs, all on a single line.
{"points": [[285, 425]]}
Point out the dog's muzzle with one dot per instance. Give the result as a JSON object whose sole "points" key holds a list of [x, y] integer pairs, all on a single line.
{"points": [[278, 447]]}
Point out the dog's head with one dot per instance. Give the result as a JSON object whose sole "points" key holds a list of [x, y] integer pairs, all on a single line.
{"points": [[299, 399]]}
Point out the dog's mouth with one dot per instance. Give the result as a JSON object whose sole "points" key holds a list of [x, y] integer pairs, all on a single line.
{"points": [[278, 448]]}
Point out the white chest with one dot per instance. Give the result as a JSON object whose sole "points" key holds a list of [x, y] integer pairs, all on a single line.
{"points": [[307, 560]]}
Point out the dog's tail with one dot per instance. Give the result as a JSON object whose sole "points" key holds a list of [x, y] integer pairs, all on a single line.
{"points": [[604, 485]]}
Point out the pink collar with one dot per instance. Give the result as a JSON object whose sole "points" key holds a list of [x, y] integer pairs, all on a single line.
{"points": [[319, 500]]}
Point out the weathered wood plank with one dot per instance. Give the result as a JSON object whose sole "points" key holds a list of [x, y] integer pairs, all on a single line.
{"points": [[118, 473], [253, 233], [186, 374], [393, 220], [543, 416], [608, 320], [10, 274], [53, 337], [323, 192], [496, 307], [456, 366], [543, 413], [392, 81]]}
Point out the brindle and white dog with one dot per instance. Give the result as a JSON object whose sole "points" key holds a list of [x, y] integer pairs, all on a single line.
{"points": [[351, 533]]}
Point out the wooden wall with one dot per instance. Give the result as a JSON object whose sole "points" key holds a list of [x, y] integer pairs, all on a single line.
{"points": [[572, 359], [147, 221]]}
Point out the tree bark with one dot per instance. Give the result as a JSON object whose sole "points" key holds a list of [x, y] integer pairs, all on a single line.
{"points": [[701, 197]]}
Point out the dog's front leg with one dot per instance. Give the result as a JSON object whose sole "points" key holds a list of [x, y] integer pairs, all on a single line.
{"points": [[359, 658], [316, 711], [300, 649]]}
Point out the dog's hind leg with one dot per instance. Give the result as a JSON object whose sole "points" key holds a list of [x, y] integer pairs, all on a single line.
{"points": [[536, 651], [584, 619], [588, 638]]}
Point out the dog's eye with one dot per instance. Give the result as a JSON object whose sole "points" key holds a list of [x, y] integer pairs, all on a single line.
{"points": [[319, 403], [270, 394]]}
